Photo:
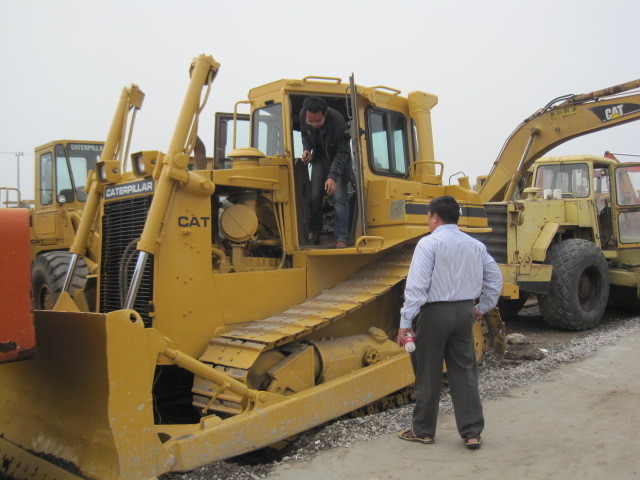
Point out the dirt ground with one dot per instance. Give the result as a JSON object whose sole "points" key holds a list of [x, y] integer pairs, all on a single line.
{"points": [[581, 422]]}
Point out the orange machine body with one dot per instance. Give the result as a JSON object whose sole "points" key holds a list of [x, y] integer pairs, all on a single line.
{"points": [[17, 336]]}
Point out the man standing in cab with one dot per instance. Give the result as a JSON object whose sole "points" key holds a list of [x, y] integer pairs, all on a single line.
{"points": [[325, 142]]}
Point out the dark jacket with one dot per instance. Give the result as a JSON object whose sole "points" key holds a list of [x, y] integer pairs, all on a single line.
{"points": [[333, 147]]}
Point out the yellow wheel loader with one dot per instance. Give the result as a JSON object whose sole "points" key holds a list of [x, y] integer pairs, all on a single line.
{"points": [[565, 228], [61, 171], [219, 328], [61, 168]]}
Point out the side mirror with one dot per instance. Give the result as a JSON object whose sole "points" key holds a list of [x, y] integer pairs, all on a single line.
{"points": [[65, 196]]}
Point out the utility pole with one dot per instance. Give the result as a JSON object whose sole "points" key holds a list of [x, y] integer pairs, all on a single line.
{"points": [[18, 155]]}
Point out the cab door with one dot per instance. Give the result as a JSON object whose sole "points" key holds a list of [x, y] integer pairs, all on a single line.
{"points": [[46, 209], [626, 205], [225, 132]]}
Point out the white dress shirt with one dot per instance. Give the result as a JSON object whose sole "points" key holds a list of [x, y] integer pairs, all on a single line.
{"points": [[448, 265]]}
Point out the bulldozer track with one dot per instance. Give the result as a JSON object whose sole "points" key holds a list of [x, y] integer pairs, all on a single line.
{"points": [[236, 351]]}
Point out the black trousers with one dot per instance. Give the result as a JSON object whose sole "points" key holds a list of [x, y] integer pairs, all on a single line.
{"points": [[444, 332]]}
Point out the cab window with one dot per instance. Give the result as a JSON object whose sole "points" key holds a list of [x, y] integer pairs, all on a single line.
{"points": [[63, 175], [388, 142], [82, 159], [629, 226], [628, 185], [226, 128], [601, 188], [46, 179], [267, 134], [572, 179]]}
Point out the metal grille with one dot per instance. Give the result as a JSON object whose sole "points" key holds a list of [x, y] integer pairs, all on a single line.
{"points": [[122, 226], [496, 241]]}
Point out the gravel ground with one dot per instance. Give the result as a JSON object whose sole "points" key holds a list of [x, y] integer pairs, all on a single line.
{"points": [[536, 351]]}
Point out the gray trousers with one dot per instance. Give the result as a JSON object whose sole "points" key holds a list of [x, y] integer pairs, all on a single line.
{"points": [[444, 332]]}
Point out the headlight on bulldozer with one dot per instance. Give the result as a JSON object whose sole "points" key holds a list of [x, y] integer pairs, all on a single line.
{"points": [[100, 173], [108, 171], [143, 163]]}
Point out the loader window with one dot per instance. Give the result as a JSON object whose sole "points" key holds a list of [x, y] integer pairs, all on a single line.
{"points": [[628, 185], [629, 227], [82, 159], [64, 186], [46, 179], [267, 134], [601, 192], [389, 152], [571, 179]]}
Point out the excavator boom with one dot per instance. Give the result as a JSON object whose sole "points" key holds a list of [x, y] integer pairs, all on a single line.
{"points": [[560, 120]]}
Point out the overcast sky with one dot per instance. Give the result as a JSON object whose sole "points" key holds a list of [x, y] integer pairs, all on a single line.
{"points": [[491, 63]]}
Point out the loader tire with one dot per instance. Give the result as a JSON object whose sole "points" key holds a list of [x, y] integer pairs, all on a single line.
{"points": [[579, 286], [47, 278]]}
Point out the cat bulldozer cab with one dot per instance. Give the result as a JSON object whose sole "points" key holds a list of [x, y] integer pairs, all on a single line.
{"points": [[218, 329]]}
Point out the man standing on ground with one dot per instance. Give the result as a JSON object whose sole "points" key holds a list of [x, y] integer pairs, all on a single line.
{"points": [[325, 133], [449, 270]]}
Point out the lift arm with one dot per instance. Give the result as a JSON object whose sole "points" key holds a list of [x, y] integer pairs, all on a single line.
{"points": [[173, 169], [562, 119], [111, 161]]}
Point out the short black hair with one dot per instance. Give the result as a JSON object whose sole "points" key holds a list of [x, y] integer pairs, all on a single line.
{"points": [[446, 208], [315, 105]]}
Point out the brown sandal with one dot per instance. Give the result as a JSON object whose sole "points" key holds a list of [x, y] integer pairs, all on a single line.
{"points": [[409, 436], [473, 443]]}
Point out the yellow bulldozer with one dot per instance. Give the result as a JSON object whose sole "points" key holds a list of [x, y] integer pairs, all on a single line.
{"points": [[218, 328]]}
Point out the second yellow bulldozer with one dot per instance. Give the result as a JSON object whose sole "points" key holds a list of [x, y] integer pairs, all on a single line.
{"points": [[219, 328]]}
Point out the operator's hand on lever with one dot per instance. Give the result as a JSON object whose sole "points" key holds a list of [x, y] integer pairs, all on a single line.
{"points": [[330, 186], [306, 157]]}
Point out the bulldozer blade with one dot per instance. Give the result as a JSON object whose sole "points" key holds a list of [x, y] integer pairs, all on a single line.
{"points": [[83, 406]]}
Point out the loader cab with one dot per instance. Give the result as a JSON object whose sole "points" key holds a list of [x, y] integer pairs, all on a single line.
{"points": [[616, 196], [613, 186], [61, 172]]}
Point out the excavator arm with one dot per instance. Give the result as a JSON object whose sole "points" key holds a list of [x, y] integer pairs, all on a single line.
{"points": [[560, 120]]}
